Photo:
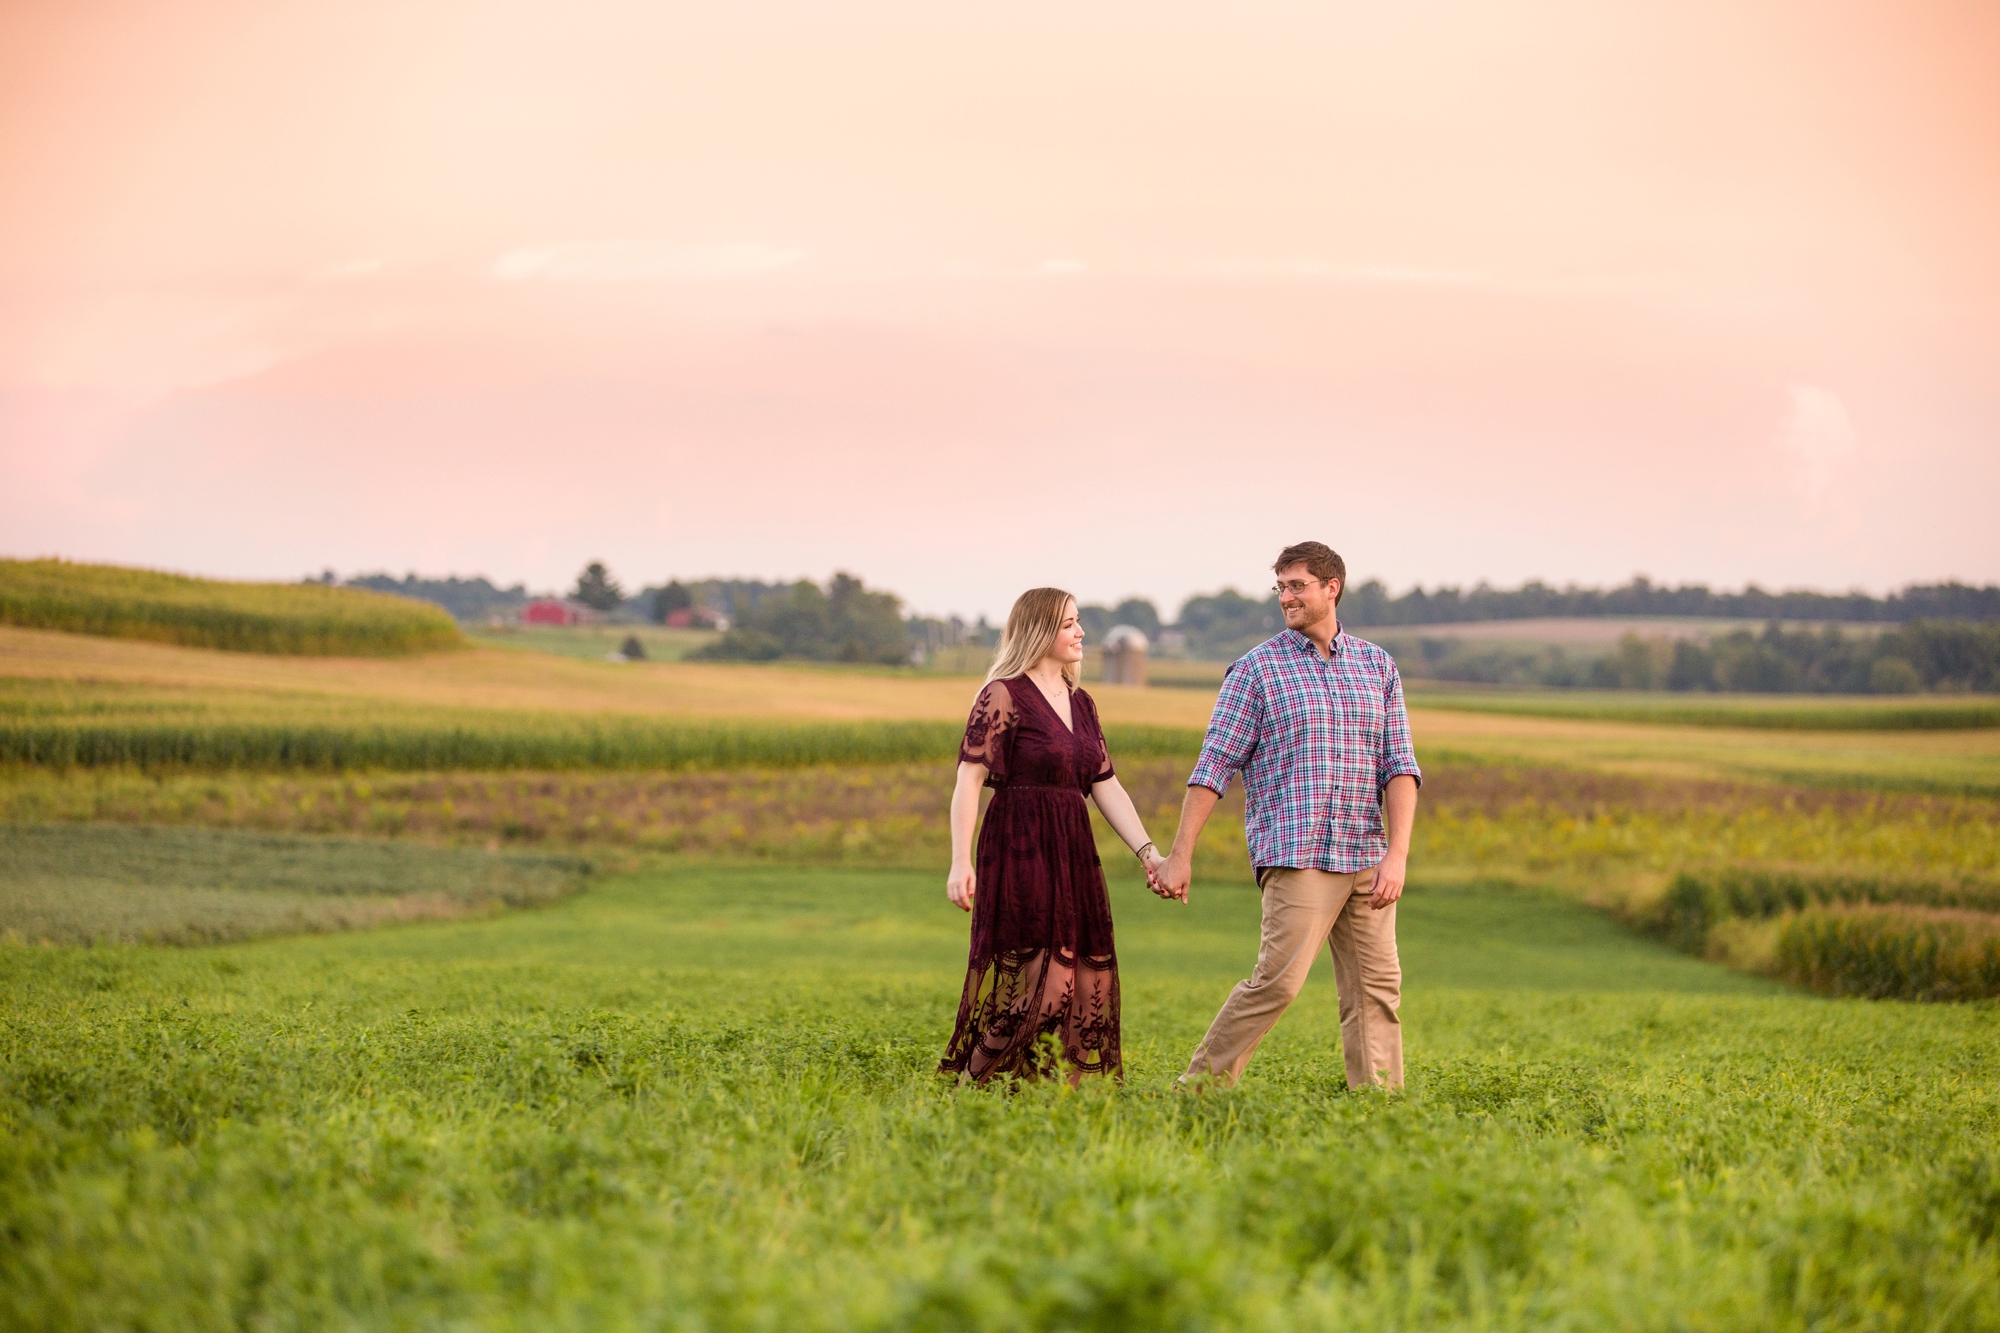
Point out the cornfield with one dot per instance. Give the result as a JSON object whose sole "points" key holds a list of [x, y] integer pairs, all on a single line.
{"points": [[1883, 937], [291, 618], [510, 741], [1898, 953], [1695, 903]]}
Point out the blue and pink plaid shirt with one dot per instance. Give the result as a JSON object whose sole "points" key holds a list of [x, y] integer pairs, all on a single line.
{"points": [[1316, 741]]}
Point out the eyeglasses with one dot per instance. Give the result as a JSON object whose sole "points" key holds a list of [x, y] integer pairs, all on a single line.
{"points": [[1296, 588]]}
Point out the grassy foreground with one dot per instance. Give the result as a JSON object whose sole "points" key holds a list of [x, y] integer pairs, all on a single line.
{"points": [[1748, 873], [107, 884], [145, 604], [701, 1098]]}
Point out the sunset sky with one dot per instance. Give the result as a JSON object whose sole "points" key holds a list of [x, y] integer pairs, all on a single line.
{"points": [[969, 297]]}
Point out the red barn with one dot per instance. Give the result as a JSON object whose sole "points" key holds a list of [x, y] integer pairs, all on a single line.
{"points": [[551, 611], [696, 617]]}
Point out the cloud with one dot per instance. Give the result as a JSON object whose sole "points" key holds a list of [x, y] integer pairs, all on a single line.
{"points": [[1819, 435], [632, 261], [1391, 275], [1319, 268], [355, 268], [1060, 268]]}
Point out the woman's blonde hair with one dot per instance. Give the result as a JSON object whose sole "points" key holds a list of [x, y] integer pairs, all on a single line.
{"points": [[1031, 631]]}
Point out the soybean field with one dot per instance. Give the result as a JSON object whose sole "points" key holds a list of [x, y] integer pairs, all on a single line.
{"points": [[494, 989], [700, 1096]]}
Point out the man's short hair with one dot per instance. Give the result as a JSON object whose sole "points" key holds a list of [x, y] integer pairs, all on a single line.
{"points": [[1321, 561]]}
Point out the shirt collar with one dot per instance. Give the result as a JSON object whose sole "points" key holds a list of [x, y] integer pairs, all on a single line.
{"points": [[1305, 645]]}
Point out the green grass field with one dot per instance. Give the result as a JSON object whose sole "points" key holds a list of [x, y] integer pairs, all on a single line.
{"points": [[1532, 823], [698, 1094], [112, 884], [700, 1097]]}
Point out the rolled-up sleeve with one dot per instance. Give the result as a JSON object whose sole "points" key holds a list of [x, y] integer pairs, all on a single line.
{"points": [[1398, 755], [1233, 730]]}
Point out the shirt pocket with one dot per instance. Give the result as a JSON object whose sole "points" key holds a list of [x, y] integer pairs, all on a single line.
{"points": [[1366, 715]]}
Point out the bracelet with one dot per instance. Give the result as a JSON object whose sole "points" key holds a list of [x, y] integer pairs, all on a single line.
{"points": [[1140, 852]]}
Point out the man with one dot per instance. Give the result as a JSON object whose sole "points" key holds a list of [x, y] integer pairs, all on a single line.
{"points": [[1314, 721]]}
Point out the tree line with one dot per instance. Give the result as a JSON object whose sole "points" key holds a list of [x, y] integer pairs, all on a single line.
{"points": [[468, 600], [1371, 603], [1226, 624], [1950, 656], [843, 622], [1948, 634]]}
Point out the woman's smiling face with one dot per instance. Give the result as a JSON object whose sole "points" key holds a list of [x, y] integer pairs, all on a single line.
{"points": [[1068, 647]]}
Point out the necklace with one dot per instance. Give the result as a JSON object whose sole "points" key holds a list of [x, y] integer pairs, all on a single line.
{"points": [[1056, 702]]}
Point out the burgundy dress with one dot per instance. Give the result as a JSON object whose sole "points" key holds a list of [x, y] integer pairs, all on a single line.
{"points": [[1042, 961]]}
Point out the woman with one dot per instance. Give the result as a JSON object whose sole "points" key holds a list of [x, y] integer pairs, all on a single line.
{"points": [[1042, 963]]}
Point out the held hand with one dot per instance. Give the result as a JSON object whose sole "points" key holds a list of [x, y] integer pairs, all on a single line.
{"points": [[1175, 873], [960, 887], [1389, 878], [1152, 861]]}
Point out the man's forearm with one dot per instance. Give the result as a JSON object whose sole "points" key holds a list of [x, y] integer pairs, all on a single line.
{"points": [[1399, 813], [1196, 807]]}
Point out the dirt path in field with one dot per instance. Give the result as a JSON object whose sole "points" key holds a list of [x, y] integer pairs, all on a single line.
{"points": [[495, 678]]}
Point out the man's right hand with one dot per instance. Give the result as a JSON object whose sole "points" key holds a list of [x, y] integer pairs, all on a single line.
{"points": [[1175, 875]]}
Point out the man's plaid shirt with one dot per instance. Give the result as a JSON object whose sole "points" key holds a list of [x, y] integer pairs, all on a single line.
{"points": [[1316, 741]]}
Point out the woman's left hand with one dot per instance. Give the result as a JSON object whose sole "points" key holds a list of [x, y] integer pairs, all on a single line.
{"points": [[960, 886]]}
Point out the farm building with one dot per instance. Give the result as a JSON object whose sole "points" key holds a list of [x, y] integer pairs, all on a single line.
{"points": [[556, 611], [1125, 656], [696, 617]]}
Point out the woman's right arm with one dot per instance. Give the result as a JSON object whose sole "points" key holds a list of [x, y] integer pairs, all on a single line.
{"points": [[964, 814]]}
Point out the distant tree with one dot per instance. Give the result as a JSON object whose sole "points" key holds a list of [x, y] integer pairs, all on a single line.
{"points": [[1367, 604], [466, 599], [1228, 623], [1693, 667], [1140, 614], [1639, 663], [596, 588], [1957, 656], [866, 626], [1949, 655], [735, 598], [742, 645], [927, 635], [1370, 605], [843, 622], [674, 597], [1893, 675], [801, 621]]}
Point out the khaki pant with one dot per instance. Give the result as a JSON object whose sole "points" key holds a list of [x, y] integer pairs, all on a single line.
{"points": [[1302, 908]]}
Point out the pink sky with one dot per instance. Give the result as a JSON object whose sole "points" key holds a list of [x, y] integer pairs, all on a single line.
{"points": [[969, 297]]}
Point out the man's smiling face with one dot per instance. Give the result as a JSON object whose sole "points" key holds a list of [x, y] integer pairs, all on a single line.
{"points": [[1305, 600]]}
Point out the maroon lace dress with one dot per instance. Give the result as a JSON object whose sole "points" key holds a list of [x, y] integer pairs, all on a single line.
{"points": [[1042, 962]]}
